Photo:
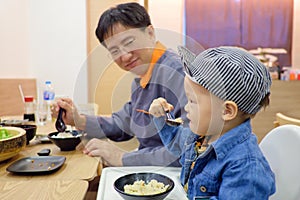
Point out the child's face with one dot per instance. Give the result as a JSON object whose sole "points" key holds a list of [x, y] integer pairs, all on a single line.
{"points": [[204, 110]]}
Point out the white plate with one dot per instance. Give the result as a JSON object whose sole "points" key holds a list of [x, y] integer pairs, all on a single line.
{"points": [[110, 174]]}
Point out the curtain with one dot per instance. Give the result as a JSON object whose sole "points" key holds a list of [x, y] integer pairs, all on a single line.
{"points": [[246, 23]]}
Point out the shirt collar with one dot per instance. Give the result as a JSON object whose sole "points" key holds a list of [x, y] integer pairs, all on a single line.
{"points": [[158, 51], [232, 138]]}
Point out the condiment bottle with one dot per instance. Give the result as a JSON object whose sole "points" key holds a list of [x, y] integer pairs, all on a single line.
{"points": [[292, 75], [29, 108]]}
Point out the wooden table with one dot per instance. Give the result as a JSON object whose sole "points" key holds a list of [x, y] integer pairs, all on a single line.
{"points": [[71, 181], [43, 189], [77, 166]]}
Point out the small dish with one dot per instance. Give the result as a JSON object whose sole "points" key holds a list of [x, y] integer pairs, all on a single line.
{"points": [[147, 177], [36, 165], [44, 152], [66, 143], [30, 131]]}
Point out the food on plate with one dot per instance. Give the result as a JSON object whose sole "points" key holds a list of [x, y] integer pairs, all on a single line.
{"points": [[63, 135], [179, 120], [141, 188], [4, 133], [41, 164]]}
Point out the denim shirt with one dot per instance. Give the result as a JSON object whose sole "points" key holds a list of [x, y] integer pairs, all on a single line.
{"points": [[232, 167]]}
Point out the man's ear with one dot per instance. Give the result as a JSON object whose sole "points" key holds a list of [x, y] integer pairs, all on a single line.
{"points": [[150, 31], [230, 110]]}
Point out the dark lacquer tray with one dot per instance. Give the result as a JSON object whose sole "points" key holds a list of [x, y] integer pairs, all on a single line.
{"points": [[36, 165]]}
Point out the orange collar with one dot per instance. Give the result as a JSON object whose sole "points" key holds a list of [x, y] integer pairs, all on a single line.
{"points": [[158, 51]]}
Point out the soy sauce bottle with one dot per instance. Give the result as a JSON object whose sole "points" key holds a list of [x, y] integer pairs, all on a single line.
{"points": [[29, 108]]}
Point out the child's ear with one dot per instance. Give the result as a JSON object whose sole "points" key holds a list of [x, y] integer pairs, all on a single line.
{"points": [[230, 110]]}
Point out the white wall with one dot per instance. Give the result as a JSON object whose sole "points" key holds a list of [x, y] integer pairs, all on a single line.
{"points": [[14, 38], [166, 14], [44, 39], [166, 17]]}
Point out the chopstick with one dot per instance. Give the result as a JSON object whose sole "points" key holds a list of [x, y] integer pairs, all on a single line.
{"points": [[143, 111]]}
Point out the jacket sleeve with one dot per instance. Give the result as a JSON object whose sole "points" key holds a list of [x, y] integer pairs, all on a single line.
{"points": [[114, 127], [173, 138]]}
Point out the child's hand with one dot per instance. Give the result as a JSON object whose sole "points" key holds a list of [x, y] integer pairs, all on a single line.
{"points": [[159, 106]]}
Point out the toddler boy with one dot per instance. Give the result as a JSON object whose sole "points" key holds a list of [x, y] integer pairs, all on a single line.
{"points": [[220, 156]]}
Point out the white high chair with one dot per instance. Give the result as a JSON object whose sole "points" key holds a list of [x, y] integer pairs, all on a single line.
{"points": [[281, 147]]}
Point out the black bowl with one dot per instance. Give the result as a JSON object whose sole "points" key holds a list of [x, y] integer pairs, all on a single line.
{"points": [[147, 177], [68, 143], [30, 131]]}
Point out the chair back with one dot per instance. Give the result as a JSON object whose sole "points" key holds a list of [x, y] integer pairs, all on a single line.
{"points": [[11, 103], [281, 147], [282, 119]]}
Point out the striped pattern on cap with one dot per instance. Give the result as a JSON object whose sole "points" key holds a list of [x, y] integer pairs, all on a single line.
{"points": [[230, 73]]}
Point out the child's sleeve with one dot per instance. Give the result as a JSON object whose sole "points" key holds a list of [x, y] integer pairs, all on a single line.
{"points": [[173, 137]]}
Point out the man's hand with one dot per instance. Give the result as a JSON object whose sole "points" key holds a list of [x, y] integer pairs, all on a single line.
{"points": [[111, 154], [71, 116]]}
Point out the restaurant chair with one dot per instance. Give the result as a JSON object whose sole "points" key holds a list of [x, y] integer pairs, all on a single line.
{"points": [[281, 147], [282, 119]]}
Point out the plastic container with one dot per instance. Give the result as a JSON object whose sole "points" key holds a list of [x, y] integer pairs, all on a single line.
{"points": [[285, 75], [29, 107], [292, 75], [48, 97], [49, 92]]}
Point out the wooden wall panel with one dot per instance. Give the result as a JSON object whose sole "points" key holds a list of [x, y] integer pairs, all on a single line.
{"points": [[103, 74], [10, 98], [285, 98]]}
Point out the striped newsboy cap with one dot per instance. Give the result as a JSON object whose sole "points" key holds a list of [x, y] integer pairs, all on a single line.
{"points": [[230, 73]]}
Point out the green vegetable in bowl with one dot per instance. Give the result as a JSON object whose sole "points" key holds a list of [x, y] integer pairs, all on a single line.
{"points": [[4, 134]]}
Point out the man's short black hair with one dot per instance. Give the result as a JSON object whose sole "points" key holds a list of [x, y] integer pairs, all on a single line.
{"points": [[128, 14]]}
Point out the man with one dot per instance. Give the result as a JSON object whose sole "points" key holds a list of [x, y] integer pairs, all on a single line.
{"points": [[127, 33]]}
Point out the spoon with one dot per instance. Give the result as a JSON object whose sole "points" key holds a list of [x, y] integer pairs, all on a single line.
{"points": [[169, 119], [60, 124]]}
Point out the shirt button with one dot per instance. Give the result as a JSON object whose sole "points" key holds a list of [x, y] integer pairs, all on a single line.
{"points": [[202, 188]]}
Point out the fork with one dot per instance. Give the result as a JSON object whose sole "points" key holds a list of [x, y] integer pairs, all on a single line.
{"points": [[170, 120]]}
